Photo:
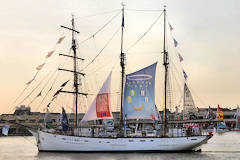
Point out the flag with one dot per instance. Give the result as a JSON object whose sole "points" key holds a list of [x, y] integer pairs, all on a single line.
{"points": [[57, 92], [39, 94], [214, 128], [29, 82], [153, 117], [60, 40], [123, 21], [40, 67], [5, 129], [185, 75], [49, 104], [220, 113], [64, 84], [180, 57], [175, 42], [50, 53], [170, 26], [64, 120]]}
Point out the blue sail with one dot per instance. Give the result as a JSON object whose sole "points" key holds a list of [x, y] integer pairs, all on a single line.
{"points": [[139, 94]]}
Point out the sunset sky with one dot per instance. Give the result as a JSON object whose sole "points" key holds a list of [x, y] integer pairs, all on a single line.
{"points": [[207, 32]]}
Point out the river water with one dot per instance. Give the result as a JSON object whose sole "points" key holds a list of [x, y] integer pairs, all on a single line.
{"points": [[220, 147]]}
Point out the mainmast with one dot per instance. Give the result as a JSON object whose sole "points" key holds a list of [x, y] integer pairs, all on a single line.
{"points": [[122, 64], [165, 63], [75, 72]]}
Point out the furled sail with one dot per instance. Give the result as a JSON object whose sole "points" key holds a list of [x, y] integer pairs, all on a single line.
{"points": [[100, 107], [139, 96], [189, 108]]}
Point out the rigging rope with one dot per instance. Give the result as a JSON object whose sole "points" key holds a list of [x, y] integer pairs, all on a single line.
{"points": [[55, 80], [99, 30], [98, 14], [25, 88], [144, 34], [142, 10], [34, 89], [43, 87], [100, 50]]}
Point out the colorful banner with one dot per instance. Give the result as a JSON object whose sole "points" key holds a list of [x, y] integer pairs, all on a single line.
{"points": [[139, 96], [102, 105]]}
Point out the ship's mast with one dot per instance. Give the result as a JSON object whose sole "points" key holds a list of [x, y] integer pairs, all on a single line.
{"points": [[165, 63], [122, 64], [75, 72]]}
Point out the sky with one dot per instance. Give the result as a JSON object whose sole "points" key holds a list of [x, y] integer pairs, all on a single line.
{"points": [[207, 33]]}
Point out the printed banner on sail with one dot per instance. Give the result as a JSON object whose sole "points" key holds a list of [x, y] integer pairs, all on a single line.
{"points": [[102, 105], [139, 96]]}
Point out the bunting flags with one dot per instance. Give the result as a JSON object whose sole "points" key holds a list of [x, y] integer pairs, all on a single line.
{"points": [[40, 67], [64, 84], [57, 92], [50, 54], [185, 75], [170, 26], [180, 57], [175, 42], [60, 40], [29, 82], [49, 104], [39, 94]]}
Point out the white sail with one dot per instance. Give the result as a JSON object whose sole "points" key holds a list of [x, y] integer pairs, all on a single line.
{"points": [[100, 107], [188, 103]]}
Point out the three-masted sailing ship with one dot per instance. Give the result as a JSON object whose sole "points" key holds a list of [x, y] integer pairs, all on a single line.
{"points": [[137, 103]]}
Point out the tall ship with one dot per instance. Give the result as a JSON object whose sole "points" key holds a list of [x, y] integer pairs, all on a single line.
{"points": [[140, 128]]}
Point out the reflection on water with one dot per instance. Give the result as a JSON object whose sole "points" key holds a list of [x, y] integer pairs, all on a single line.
{"points": [[225, 146]]}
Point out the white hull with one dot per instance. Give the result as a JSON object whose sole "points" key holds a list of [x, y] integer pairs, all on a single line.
{"points": [[53, 142]]}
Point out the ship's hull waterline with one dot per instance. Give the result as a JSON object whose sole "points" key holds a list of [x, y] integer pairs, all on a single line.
{"points": [[56, 143]]}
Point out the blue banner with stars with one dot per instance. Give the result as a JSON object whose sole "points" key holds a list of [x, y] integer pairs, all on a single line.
{"points": [[139, 97]]}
